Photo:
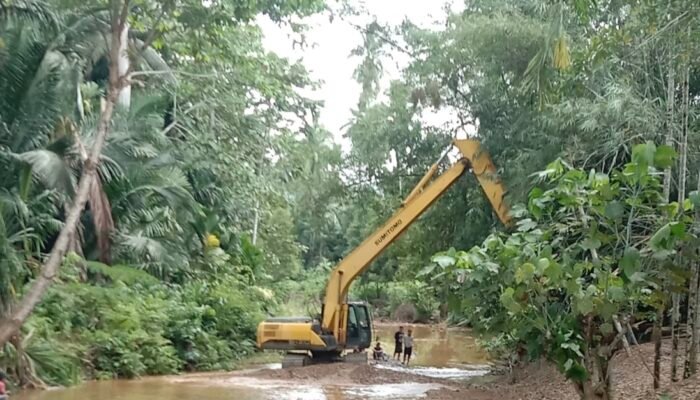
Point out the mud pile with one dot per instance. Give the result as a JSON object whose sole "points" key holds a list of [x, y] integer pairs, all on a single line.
{"points": [[341, 374]]}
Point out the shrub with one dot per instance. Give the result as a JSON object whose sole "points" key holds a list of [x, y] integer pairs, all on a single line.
{"points": [[144, 327]]}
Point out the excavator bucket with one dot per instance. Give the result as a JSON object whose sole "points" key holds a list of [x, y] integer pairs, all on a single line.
{"points": [[487, 175]]}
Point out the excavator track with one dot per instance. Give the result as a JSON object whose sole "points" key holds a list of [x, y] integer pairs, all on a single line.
{"points": [[357, 358], [291, 360], [296, 360]]}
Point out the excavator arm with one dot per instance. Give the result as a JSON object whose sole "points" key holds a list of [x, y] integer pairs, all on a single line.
{"points": [[426, 192]]}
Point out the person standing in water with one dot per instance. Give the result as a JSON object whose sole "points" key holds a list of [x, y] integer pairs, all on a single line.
{"points": [[398, 343], [408, 346]]}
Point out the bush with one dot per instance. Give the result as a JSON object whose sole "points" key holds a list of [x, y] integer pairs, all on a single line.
{"points": [[145, 327]]}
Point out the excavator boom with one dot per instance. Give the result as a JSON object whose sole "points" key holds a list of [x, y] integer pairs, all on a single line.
{"points": [[345, 325], [421, 197]]}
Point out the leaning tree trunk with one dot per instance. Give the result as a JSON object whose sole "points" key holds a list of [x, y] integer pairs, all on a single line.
{"points": [[11, 323]]}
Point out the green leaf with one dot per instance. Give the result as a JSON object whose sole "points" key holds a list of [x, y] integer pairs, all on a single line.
{"points": [[444, 260], [638, 277], [584, 305], [643, 154], [687, 205], [542, 265], [617, 294], [678, 229], [427, 270], [553, 271], [573, 347], [526, 225], [524, 273], [694, 197], [658, 240], [590, 243], [664, 157], [607, 310], [630, 261], [614, 210], [573, 287], [576, 372], [509, 302], [606, 328]]}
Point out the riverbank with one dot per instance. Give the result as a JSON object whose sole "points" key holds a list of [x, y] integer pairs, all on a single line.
{"points": [[631, 380], [536, 381], [447, 369]]}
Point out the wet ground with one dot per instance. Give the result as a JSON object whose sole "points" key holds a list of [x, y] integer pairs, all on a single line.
{"points": [[441, 357]]}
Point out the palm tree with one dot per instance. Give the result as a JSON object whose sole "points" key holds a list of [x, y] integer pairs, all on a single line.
{"points": [[43, 113]]}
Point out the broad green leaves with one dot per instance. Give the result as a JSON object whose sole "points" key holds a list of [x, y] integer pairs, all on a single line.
{"points": [[649, 155], [524, 273], [630, 262], [569, 262]]}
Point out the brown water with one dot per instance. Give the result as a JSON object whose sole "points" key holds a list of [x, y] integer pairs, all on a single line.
{"points": [[438, 352], [435, 346]]}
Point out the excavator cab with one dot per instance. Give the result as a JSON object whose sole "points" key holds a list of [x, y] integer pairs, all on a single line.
{"points": [[359, 334]]}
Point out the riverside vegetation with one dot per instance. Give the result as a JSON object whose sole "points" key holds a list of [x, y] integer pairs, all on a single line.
{"points": [[166, 185]]}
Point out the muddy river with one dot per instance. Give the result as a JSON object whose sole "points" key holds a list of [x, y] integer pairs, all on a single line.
{"points": [[439, 354]]}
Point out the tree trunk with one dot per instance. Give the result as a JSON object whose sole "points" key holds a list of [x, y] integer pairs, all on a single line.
{"points": [[670, 100], [256, 221], [675, 331], [693, 316], [11, 323], [124, 99], [682, 173], [690, 366], [695, 344], [102, 219], [101, 210], [656, 335], [596, 385]]}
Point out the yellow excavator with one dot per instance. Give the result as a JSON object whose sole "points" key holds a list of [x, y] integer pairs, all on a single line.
{"points": [[344, 329]]}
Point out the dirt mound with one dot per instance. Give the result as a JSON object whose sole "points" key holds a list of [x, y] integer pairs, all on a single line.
{"points": [[634, 380], [631, 380], [536, 381], [341, 373]]}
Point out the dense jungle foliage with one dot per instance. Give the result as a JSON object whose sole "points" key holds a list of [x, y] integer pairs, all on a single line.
{"points": [[220, 199]]}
